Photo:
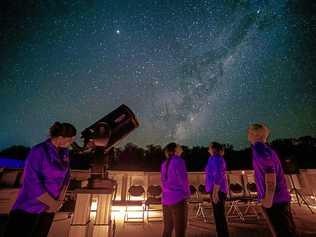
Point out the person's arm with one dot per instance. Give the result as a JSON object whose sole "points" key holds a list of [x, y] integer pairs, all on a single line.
{"points": [[270, 184], [48, 200], [182, 174], [65, 186], [67, 178], [215, 193], [162, 173], [61, 197], [53, 204], [266, 159], [219, 176], [207, 176], [33, 175]]}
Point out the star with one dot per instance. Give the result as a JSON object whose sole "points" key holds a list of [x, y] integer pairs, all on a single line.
{"points": [[189, 70]]}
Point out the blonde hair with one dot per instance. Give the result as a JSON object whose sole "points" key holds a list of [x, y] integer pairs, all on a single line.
{"points": [[260, 131]]}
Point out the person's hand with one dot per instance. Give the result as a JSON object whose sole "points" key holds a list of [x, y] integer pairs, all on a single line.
{"points": [[215, 196], [54, 206], [266, 202]]}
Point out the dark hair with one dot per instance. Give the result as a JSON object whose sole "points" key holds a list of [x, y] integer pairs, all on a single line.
{"points": [[62, 129], [170, 149], [217, 147]]}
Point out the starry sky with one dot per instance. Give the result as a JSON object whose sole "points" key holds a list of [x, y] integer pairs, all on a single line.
{"points": [[192, 71]]}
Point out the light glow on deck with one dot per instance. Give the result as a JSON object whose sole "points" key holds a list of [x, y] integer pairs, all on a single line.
{"points": [[119, 213]]}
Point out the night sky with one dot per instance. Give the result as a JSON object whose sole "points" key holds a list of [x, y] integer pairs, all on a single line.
{"points": [[192, 71]]}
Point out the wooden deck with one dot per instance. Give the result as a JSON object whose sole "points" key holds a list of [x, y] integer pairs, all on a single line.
{"points": [[305, 222]]}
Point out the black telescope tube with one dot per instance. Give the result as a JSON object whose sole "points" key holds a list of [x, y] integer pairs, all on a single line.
{"points": [[121, 122]]}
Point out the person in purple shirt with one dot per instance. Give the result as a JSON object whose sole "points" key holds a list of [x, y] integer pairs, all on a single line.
{"points": [[45, 180], [271, 184], [216, 185], [175, 191]]}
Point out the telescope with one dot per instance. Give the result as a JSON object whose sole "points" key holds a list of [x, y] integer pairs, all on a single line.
{"points": [[112, 128], [98, 139], [101, 136]]}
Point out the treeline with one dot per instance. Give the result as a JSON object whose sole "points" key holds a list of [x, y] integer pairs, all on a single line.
{"points": [[17, 152], [301, 152]]}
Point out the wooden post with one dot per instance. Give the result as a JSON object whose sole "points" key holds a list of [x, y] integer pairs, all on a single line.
{"points": [[102, 225], [81, 217]]}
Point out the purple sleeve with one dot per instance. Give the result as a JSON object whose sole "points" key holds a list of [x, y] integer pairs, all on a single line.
{"points": [[265, 156], [162, 175], [32, 172], [269, 169], [268, 163], [207, 176], [183, 177], [219, 171]]}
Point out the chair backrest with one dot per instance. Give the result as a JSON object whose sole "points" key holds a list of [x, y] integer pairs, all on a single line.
{"points": [[250, 184], [154, 191], [252, 188], [193, 190], [236, 188], [236, 185], [10, 178], [20, 178], [202, 189], [203, 195], [137, 179], [153, 178], [136, 191]]}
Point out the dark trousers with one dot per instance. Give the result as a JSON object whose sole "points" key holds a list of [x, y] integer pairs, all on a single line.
{"points": [[219, 216], [281, 219], [175, 217], [22, 223]]}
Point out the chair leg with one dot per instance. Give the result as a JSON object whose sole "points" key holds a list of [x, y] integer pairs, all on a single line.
{"points": [[229, 210], [154, 218], [198, 210], [141, 218], [204, 215], [125, 214], [241, 216], [251, 206], [235, 209]]}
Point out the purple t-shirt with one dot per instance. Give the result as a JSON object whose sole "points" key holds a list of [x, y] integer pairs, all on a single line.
{"points": [[175, 183], [46, 170], [265, 161], [215, 173]]}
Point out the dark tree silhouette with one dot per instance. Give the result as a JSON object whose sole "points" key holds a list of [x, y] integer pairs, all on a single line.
{"points": [[17, 151], [132, 157]]}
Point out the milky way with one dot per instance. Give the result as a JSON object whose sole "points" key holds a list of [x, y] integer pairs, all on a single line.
{"points": [[192, 71]]}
